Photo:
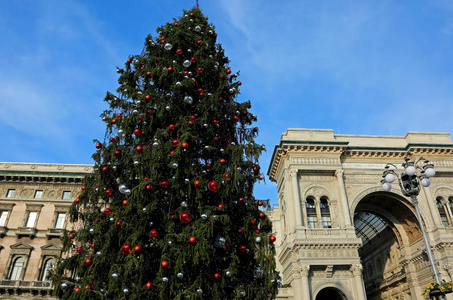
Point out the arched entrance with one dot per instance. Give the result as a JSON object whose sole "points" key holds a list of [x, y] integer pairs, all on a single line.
{"points": [[389, 230], [330, 293]]}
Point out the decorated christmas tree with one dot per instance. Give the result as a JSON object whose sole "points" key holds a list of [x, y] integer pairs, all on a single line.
{"points": [[169, 212]]}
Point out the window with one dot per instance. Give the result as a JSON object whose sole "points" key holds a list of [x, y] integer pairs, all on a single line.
{"points": [[59, 223], [3, 218], [16, 271], [47, 268], [325, 213], [441, 209], [10, 193], [38, 194], [31, 219], [66, 195], [311, 213]]}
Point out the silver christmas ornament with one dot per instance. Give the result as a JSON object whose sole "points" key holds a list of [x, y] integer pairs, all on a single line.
{"points": [[178, 83], [188, 99], [136, 163], [221, 150], [135, 111], [155, 144], [111, 219], [122, 188], [186, 180], [91, 230], [205, 125], [183, 203], [228, 274], [174, 165], [114, 168], [220, 242], [144, 208], [186, 63], [167, 107], [164, 279], [114, 275], [168, 46], [189, 50], [199, 291], [175, 62], [242, 294], [121, 133], [125, 291], [99, 253], [204, 216], [127, 192], [150, 223], [258, 273], [197, 28], [258, 239], [180, 275], [169, 243], [231, 91]]}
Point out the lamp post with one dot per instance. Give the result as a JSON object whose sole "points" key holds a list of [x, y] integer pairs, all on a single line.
{"points": [[411, 178]]}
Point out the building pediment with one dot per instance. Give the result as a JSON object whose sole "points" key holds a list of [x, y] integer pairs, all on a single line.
{"points": [[21, 246]]}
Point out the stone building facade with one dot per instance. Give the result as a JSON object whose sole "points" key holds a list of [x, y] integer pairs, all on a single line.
{"points": [[339, 235], [34, 204]]}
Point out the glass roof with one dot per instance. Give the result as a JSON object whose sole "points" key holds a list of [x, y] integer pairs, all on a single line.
{"points": [[368, 225]]}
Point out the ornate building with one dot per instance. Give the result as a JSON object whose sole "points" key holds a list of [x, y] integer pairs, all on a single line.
{"points": [[34, 201], [339, 235]]}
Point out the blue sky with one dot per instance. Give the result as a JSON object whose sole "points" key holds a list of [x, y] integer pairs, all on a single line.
{"points": [[357, 67]]}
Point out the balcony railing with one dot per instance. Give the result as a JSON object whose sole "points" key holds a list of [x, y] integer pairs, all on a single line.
{"points": [[26, 231], [22, 287], [54, 232]]}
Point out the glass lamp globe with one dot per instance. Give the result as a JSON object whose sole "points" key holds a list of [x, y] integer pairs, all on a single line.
{"points": [[410, 170], [426, 182], [430, 172], [386, 186], [389, 178]]}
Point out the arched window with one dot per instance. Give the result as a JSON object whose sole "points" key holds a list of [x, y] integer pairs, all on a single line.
{"points": [[18, 266], [47, 268], [441, 210], [450, 202], [325, 213], [311, 213]]}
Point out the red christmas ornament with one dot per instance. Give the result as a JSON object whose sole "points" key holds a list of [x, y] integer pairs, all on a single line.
{"points": [[148, 285], [258, 231], [192, 240], [124, 202], [164, 264], [119, 223], [260, 203], [119, 81], [222, 161], [148, 187], [255, 169], [215, 122], [236, 118], [228, 71], [185, 217], [108, 192], [196, 183], [150, 112], [242, 248], [137, 132], [172, 152], [255, 129], [88, 287], [262, 215], [107, 211], [216, 138], [119, 115], [170, 69], [84, 187], [88, 261], [240, 230], [226, 176], [199, 42], [129, 60], [185, 145], [77, 200], [220, 206], [193, 60], [201, 95], [165, 185], [192, 117], [213, 186], [241, 199], [76, 289], [171, 127], [137, 249], [139, 149], [272, 238], [71, 236], [147, 97], [179, 51], [217, 276], [93, 246], [154, 233], [208, 166], [190, 123], [125, 249], [79, 250], [200, 90], [112, 140], [98, 146], [191, 14], [200, 70], [175, 143], [148, 73], [105, 169], [253, 222], [239, 83], [117, 153], [268, 259]]}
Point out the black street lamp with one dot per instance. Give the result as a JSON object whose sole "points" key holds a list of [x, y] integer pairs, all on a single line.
{"points": [[411, 178]]}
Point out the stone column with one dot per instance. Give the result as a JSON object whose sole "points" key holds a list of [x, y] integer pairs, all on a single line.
{"points": [[304, 271], [296, 197], [358, 282], [447, 211], [344, 198], [290, 220], [432, 207]]}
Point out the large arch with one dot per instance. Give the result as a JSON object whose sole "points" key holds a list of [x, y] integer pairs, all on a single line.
{"points": [[337, 287], [393, 235]]}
